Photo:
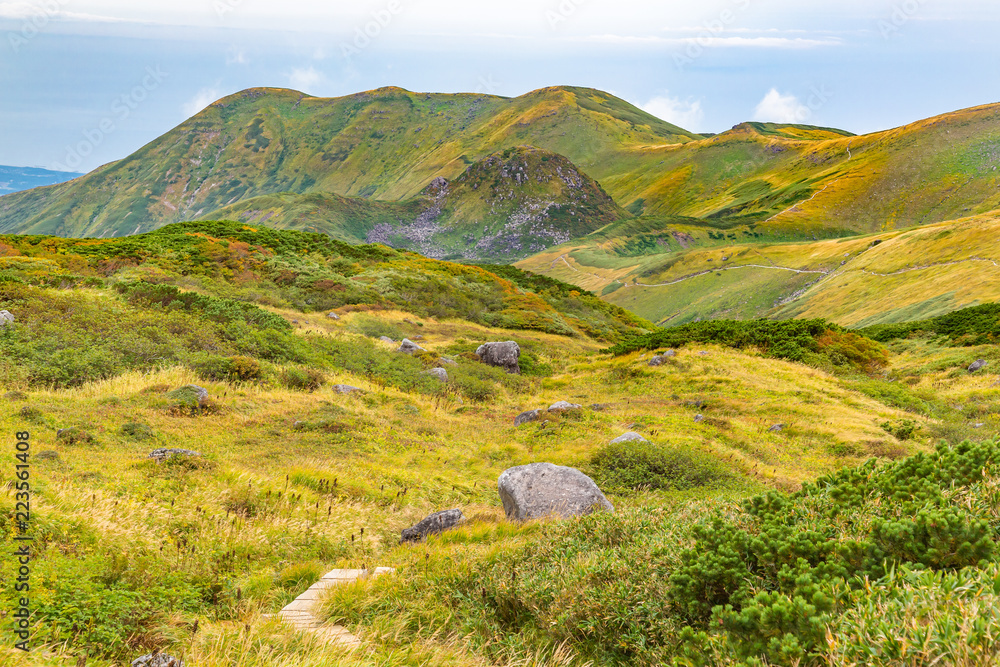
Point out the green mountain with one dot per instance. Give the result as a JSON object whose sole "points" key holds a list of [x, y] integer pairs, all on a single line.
{"points": [[507, 206], [388, 144]]}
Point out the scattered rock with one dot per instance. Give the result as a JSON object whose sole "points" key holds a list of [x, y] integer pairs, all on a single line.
{"points": [[449, 361], [74, 435], [164, 453], [409, 347], [439, 373], [503, 355], [529, 416], [703, 354], [345, 389], [699, 418], [563, 406], [700, 404], [978, 425], [386, 339], [976, 365], [435, 523], [47, 455], [418, 337], [601, 407], [541, 489], [333, 316], [190, 395], [658, 360], [5, 318], [30, 413], [777, 428], [629, 437], [157, 660], [16, 396]]}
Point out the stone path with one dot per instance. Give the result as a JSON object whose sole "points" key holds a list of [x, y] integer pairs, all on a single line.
{"points": [[299, 612]]}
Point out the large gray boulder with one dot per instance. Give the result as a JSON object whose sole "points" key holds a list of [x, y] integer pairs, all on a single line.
{"points": [[660, 359], [5, 317], [977, 365], [435, 523], [409, 347], [630, 436], [345, 389], [528, 416], [542, 489], [439, 373], [563, 406], [333, 316], [157, 660], [503, 355]]}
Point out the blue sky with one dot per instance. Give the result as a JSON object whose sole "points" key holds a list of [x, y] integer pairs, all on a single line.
{"points": [[85, 82]]}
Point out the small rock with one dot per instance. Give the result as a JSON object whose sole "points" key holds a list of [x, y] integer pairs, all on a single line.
{"points": [[670, 353], [136, 430], [529, 416], [699, 418], [600, 407], [190, 394], [694, 404], [333, 316], [435, 523], [345, 389], [449, 361], [562, 406], [47, 455], [5, 318], [409, 347], [658, 360], [541, 489], [503, 355], [777, 428], [439, 373], [158, 660], [295, 321], [976, 365], [386, 339], [630, 436], [418, 337], [703, 354], [164, 453], [978, 425]]}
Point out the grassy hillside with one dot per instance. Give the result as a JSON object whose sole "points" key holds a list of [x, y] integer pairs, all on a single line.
{"points": [[689, 272], [296, 478], [504, 207]]}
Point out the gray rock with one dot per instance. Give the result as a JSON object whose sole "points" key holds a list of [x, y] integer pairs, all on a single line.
{"points": [[190, 394], [5, 317], [158, 660], [386, 339], [703, 354], [563, 406], [418, 337], [333, 316], [694, 404], [541, 489], [976, 365], [164, 453], [449, 361], [670, 353], [503, 355], [699, 418], [435, 523], [529, 416], [658, 360], [409, 347], [978, 425], [629, 437], [47, 455], [777, 428], [345, 389], [601, 407], [439, 373]]}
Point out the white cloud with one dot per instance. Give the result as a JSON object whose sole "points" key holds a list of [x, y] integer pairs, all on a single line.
{"points": [[306, 79], [236, 56], [686, 114], [778, 108], [202, 99], [707, 41], [38, 14]]}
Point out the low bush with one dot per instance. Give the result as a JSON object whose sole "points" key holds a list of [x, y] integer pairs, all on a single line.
{"points": [[636, 465]]}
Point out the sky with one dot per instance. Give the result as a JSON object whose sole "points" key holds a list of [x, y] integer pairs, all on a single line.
{"points": [[86, 82]]}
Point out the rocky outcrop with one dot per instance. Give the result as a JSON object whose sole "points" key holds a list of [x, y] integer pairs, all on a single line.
{"points": [[538, 490], [435, 523], [502, 355], [409, 347], [528, 416]]}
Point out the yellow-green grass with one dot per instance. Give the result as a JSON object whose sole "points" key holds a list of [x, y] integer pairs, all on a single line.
{"points": [[381, 461]]}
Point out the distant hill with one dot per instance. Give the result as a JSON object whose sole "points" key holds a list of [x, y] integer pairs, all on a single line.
{"points": [[15, 179]]}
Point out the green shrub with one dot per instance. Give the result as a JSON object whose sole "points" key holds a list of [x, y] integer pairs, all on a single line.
{"points": [[903, 429], [303, 379], [136, 431], [634, 465], [375, 327]]}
